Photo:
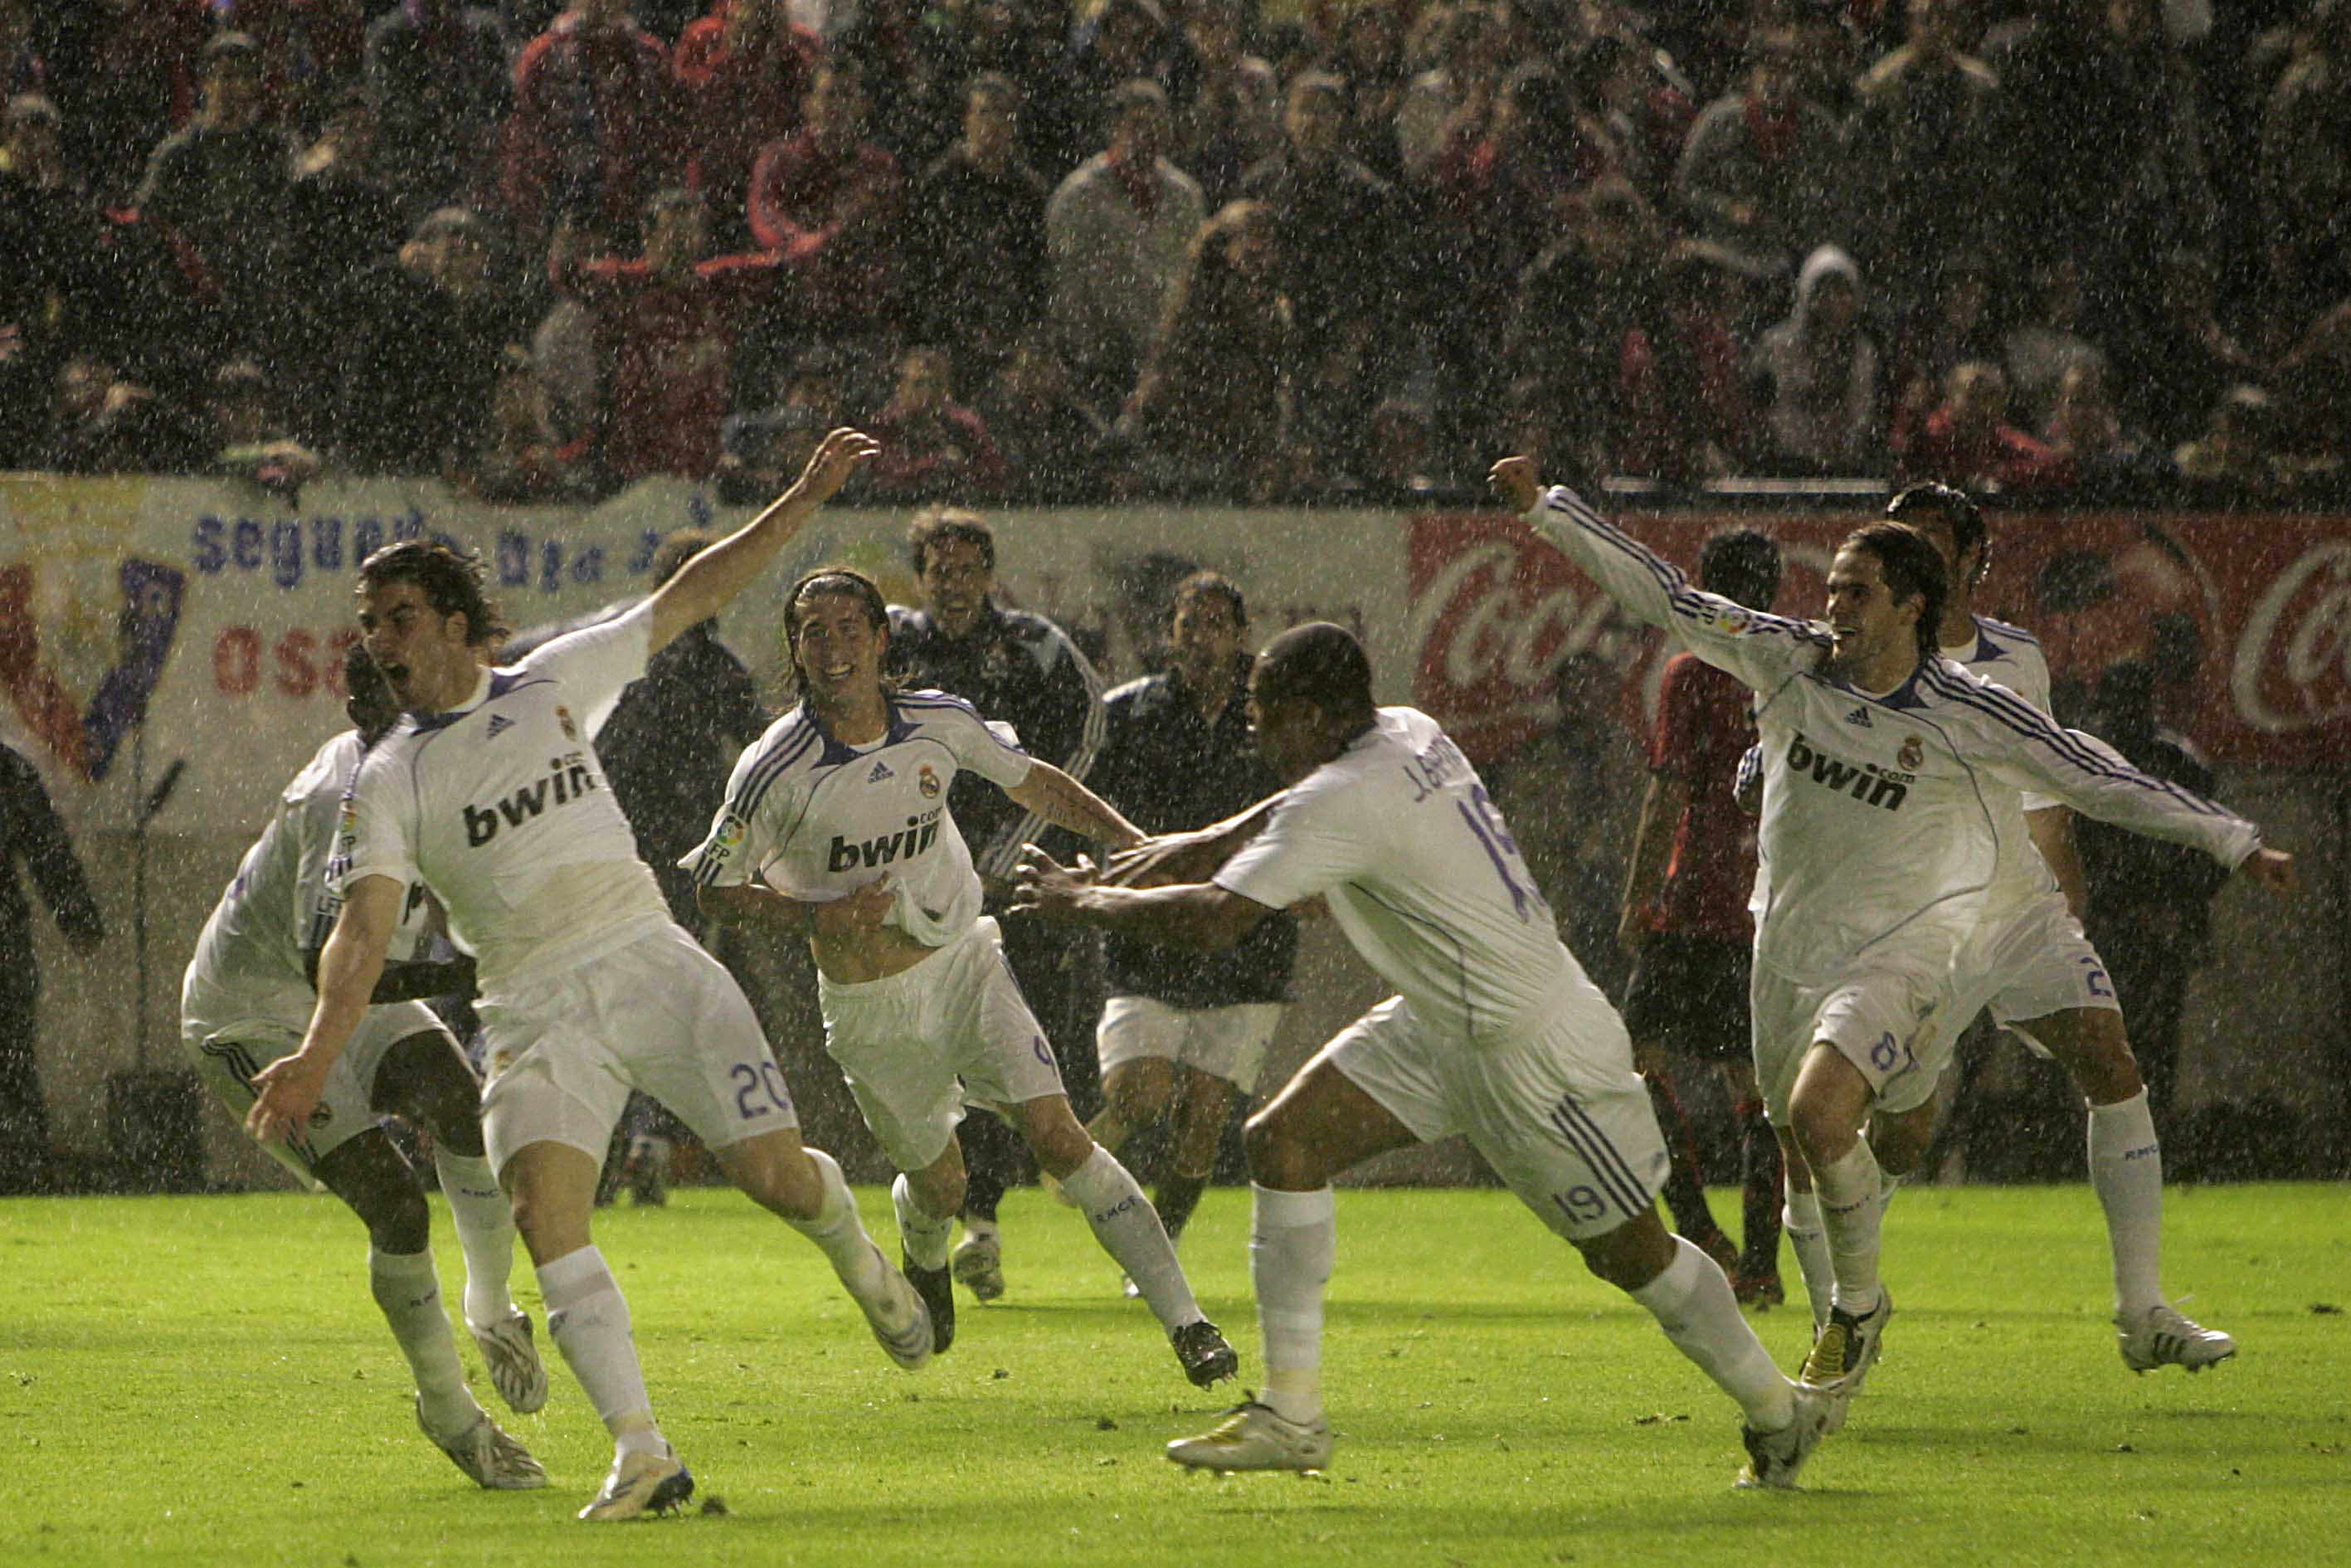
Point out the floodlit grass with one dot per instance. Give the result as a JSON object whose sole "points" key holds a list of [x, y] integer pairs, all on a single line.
{"points": [[206, 1381]]}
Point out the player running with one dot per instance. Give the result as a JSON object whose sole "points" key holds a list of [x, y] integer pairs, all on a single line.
{"points": [[836, 829], [1495, 1032], [491, 796], [244, 1003], [1879, 844], [2031, 964]]}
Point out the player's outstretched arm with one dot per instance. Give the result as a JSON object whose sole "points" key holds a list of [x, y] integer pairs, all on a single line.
{"points": [[1049, 793], [1193, 856], [290, 1089], [709, 583], [1200, 916]]}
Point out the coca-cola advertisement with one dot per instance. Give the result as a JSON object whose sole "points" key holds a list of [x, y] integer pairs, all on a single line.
{"points": [[2244, 621]]}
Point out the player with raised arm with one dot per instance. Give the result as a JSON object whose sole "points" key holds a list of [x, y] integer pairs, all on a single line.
{"points": [[244, 1003], [1878, 846], [836, 829], [2029, 963], [490, 795], [1495, 1032]]}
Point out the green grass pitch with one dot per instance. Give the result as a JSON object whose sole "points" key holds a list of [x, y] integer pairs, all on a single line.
{"points": [[188, 1381]]}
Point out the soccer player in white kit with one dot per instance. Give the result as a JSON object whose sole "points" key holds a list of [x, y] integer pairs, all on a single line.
{"points": [[836, 829], [244, 1003], [2029, 963], [1878, 847], [491, 796], [1495, 1032]]}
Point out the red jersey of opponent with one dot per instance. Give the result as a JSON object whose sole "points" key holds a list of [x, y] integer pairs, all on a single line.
{"points": [[1704, 726]]}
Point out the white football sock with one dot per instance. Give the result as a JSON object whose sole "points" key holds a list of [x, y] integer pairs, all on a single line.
{"points": [[1293, 1241], [1691, 1300], [923, 1235], [589, 1321], [838, 1231], [1851, 1215], [485, 1231], [409, 1290], [1800, 1222], [1128, 1228], [2127, 1169]]}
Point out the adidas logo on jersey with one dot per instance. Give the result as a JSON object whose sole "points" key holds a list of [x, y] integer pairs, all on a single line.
{"points": [[847, 854], [1864, 781], [1859, 715], [570, 779], [499, 725], [881, 771]]}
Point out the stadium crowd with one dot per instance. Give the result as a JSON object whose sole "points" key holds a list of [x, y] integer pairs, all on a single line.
{"points": [[1047, 251]]}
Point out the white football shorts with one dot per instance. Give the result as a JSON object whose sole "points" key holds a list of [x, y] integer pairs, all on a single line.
{"points": [[1886, 1016], [656, 1014], [226, 1057], [1560, 1115], [919, 1045], [1227, 1042], [2028, 966]]}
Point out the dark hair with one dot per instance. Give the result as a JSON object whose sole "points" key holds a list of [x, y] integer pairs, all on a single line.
{"points": [[831, 579], [679, 547], [243, 47], [1140, 92], [994, 86], [1742, 565], [1958, 511], [1208, 584], [1912, 569], [934, 524], [1317, 662], [450, 581]]}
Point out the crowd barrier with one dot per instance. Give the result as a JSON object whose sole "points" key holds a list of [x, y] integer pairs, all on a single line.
{"points": [[193, 630]]}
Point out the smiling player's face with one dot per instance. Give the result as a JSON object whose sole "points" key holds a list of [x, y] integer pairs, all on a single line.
{"points": [[1873, 633], [839, 650]]}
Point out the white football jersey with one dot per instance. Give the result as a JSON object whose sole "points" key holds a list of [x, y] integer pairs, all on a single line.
{"points": [[818, 820], [1401, 841], [499, 807], [1880, 816], [248, 958], [2011, 656]]}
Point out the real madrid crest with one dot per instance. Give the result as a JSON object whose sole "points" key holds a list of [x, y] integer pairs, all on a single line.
{"points": [[1913, 753], [563, 717], [928, 782]]}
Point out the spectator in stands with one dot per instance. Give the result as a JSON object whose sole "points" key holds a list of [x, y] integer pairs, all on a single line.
{"points": [[223, 186], [1213, 405], [933, 448], [1129, 40], [105, 423], [1369, 63], [667, 326], [2313, 380], [595, 127], [2304, 175], [1818, 376], [1966, 322], [522, 457], [980, 236], [2048, 343], [1117, 231], [1232, 118], [437, 72], [762, 451], [2238, 456], [1454, 95], [248, 434], [1646, 114], [833, 207], [50, 234], [1050, 438], [2109, 460], [743, 74], [343, 215], [1928, 167], [964, 39], [1969, 442], [1761, 170], [1324, 203], [123, 73], [2178, 367], [410, 370]]}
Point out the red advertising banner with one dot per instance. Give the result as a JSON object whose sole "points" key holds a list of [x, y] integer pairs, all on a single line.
{"points": [[2244, 619]]}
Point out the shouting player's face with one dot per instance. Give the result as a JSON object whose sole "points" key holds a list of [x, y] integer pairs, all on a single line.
{"points": [[839, 650], [956, 580], [423, 653], [1875, 644]]}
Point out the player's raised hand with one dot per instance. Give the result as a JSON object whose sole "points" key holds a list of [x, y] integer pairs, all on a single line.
{"points": [[829, 466], [1516, 482], [1164, 857], [1041, 885], [857, 916], [2273, 869], [288, 1090]]}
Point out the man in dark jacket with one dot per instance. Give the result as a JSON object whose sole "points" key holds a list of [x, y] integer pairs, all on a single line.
{"points": [[31, 831]]}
